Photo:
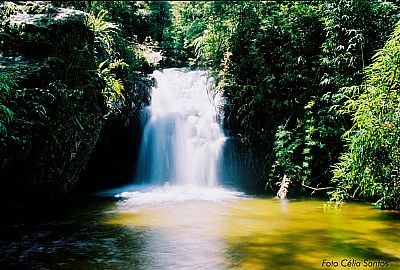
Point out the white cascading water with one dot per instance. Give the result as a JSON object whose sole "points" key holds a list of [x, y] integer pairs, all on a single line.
{"points": [[182, 140], [181, 150]]}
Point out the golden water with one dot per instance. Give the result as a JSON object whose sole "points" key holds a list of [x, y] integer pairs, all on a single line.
{"points": [[181, 230], [265, 233]]}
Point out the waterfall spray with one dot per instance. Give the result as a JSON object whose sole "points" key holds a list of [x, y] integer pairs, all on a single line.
{"points": [[182, 140]]}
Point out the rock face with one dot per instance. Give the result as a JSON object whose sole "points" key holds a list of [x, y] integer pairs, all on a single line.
{"points": [[53, 112], [38, 31]]}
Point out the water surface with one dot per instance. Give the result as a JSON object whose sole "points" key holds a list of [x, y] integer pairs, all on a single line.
{"points": [[174, 227]]}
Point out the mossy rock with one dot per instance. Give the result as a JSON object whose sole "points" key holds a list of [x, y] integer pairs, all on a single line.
{"points": [[43, 31]]}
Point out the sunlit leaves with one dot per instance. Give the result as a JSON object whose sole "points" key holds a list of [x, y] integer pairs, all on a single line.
{"points": [[280, 66], [369, 168], [7, 115]]}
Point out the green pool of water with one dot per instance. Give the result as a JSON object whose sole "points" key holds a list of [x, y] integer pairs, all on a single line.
{"points": [[157, 230]]}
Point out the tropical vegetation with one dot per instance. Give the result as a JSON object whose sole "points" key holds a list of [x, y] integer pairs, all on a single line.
{"points": [[287, 72], [310, 87]]}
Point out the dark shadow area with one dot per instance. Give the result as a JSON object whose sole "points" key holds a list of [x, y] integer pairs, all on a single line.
{"points": [[72, 240], [235, 170], [113, 161]]}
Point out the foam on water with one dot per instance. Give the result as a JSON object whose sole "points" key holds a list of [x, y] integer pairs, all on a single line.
{"points": [[147, 196]]}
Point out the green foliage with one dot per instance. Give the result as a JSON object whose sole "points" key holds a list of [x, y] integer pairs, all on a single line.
{"points": [[6, 115], [104, 31], [138, 19], [279, 67], [354, 29], [370, 165], [122, 28], [268, 91], [285, 147], [118, 60], [114, 87], [188, 23], [58, 86], [197, 32], [307, 151]]}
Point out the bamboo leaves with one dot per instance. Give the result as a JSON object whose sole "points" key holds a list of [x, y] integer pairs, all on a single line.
{"points": [[369, 167]]}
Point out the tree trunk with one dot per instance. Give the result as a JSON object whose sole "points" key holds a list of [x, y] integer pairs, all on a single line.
{"points": [[282, 193]]}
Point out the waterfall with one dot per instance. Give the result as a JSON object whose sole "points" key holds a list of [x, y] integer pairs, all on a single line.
{"points": [[182, 139]]}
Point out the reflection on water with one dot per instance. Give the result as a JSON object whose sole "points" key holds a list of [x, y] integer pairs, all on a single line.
{"points": [[184, 228]]}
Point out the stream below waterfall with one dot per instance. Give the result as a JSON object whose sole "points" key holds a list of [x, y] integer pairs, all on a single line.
{"points": [[179, 213], [172, 227]]}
